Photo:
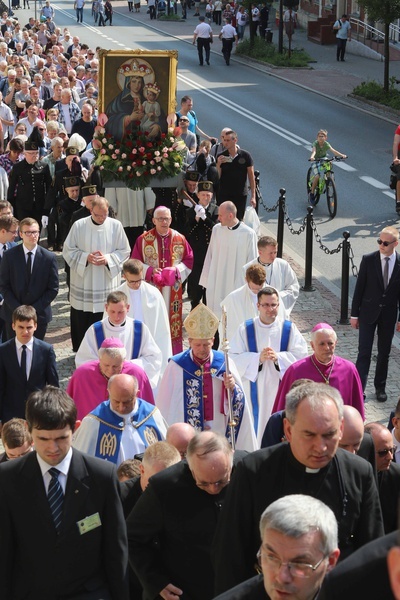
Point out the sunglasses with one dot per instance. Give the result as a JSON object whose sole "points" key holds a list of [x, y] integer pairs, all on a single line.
{"points": [[386, 244], [383, 453]]}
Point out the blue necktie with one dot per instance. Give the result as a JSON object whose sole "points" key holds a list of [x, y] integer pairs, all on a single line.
{"points": [[55, 497]]}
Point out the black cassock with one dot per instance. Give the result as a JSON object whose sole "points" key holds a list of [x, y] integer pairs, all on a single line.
{"points": [[170, 532], [347, 485]]}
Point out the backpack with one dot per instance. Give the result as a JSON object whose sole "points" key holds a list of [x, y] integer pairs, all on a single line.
{"points": [[334, 25]]}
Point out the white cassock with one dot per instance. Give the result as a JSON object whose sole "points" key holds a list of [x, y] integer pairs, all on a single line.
{"points": [[131, 205], [269, 377], [90, 284], [146, 304], [228, 251], [86, 436], [149, 356], [280, 276], [241, 304], [170, 401]]}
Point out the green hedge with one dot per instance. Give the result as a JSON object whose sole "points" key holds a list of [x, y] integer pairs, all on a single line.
{"points": [[268, 53], [372, 90]]}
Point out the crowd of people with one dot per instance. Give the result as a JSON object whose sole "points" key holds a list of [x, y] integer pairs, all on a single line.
{"points": [[213, 451]]}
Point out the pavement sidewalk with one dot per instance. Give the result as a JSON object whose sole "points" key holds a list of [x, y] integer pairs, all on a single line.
{"points": [[328, 77]]}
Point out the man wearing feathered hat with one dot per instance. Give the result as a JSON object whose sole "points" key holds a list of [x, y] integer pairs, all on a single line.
{"points": [[29, 181]]}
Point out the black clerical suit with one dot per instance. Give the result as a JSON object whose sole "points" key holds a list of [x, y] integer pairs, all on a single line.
{"points": [[346, 485], [364, 575], [170, 531], [251, 589], [28, 186], [389, 491], [376, 308], [36, 563]]}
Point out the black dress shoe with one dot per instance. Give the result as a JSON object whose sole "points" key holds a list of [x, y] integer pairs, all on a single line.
{"points": [[381, 395]]}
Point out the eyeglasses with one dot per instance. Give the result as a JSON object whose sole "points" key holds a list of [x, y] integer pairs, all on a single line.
{"points": [[386, 244], [14, 232], [165, 219], [300, 570], [30, 233], [183, 120], [134, 281], [383, 453], [206, 484], [266, 305], [42, 129]]}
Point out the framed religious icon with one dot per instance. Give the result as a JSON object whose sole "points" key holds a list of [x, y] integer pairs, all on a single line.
{"points": [[137, 91]]}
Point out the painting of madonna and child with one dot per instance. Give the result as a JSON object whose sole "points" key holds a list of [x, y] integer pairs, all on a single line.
{"points": [[138, 91]]}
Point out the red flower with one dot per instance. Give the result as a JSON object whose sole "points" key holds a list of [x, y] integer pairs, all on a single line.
{"points": [[149, 145], [129, 144], [177, 131], [163, 135]]}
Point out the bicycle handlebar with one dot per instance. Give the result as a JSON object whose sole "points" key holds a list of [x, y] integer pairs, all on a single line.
{"points": [[324, 160]]}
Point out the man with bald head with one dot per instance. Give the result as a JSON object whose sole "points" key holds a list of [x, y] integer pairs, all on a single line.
{"points": [[168, 261], [122, 426], [95, 250], [232, 245], [179, 436], [324, 366], [388, 474], [180, 509]]}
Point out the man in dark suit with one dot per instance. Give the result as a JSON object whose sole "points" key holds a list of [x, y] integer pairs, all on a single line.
{"points": [[299, 539], [172, 525], [26, 365], [28, 275], [376, 307], [388, 474], [8, 232], [310, 464], [363, 575], [63, 533]]}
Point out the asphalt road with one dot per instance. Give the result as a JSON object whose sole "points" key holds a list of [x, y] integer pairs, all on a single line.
{"points": [[277, 122]]}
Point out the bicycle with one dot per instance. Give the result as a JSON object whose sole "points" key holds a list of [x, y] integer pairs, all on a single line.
{"points": [[325, 183]]}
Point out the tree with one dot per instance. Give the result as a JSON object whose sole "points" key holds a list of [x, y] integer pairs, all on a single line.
{"points": [[384, 11]]}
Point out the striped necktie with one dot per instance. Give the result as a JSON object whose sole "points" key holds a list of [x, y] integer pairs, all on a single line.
{"points": [[55, 497]]}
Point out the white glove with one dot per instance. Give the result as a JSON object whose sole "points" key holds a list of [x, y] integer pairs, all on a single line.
{"points": [[45, 221], [200, 211]]}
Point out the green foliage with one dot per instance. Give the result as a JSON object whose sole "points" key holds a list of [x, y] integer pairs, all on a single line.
{"points": [[385, 11], [268, 53], [372, 90]]}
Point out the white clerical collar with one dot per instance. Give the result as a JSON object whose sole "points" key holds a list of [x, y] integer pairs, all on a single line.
{"points": [[128, 417], [114, 325], [308, 470]]}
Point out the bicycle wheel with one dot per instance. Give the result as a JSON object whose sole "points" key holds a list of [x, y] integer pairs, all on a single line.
{"points": [[308, 180], [331, 196]]}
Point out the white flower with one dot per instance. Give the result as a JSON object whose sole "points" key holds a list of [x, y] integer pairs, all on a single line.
{"points": [[129, 168], [153, 171]]}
